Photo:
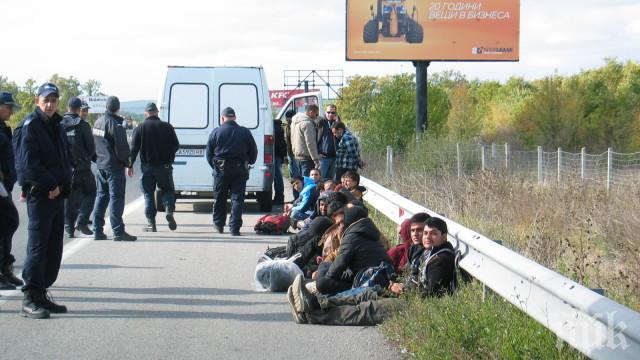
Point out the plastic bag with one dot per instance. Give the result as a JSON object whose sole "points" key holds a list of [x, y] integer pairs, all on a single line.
{"points": [[276, 275]]}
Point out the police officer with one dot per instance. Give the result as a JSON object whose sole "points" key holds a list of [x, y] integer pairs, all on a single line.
{"points": [[230, 150], [43, 163], [113, 156], [9, 219], [83, 185], [157, 143]]}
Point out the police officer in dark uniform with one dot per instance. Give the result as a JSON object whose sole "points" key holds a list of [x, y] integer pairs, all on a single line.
{"points": [[83, 184], [113, 156], [157, 143], [43, 163], [9, 219], [230, 150]]}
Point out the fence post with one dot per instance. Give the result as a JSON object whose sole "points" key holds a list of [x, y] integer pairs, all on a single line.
{"points": [[389, 161], [583, 152], [559, 163], [493, 150], [609, 168], [459, 160], [506, 156], [482, 157], [540, 165]]}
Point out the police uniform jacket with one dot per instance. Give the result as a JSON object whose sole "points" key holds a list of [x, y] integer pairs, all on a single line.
{"points": [[156, 141], [231, 142], [112, 149], [80, 139], [43, 155], [7, 159]]}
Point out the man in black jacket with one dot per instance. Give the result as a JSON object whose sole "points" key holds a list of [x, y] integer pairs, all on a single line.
{"points": [[44, 169], [83, 186], [9, 219], [279, 156], [434, 275], [157, 143], [113, 156]]}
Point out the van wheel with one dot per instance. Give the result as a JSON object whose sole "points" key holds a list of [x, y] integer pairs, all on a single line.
{"points": [[264, 201], [159, 203]]}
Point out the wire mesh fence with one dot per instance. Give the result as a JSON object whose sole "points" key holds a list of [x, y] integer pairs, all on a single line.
{"points": [[608, 169]]}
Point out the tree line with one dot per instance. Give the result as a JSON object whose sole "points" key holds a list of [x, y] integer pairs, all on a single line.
{"points": [[596, 109]]}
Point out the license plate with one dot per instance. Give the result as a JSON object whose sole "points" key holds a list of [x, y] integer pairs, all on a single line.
{"points": [[182, 152]]}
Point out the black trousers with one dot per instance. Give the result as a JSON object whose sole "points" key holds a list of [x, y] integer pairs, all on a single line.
{"points": [[232, 181], [160, 176], [44, 246], [78, 206], [9, 221]]}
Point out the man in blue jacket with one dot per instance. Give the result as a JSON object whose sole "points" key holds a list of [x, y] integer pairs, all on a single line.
{"points": [[8, 212], [113, 155], [43, 162], [302, 207], [230, 150]]}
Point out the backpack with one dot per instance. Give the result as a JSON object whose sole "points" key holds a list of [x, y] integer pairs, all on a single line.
{"points": [[20, 156], [376, 275], [272, 224], [278, 252]]}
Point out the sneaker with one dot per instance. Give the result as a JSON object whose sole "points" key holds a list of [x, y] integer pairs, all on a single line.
{"points": [[32, 309], [125, 237], [311, 287], [99, 236], [299, 318], [171, 221], [298, 300], [235, 232], [150, 227], [84, 229], [70, 234], [5, 284], [219, 229], [46, 301]]}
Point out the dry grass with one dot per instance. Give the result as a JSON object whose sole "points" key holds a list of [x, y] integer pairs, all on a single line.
{"points": [[580, 231]]}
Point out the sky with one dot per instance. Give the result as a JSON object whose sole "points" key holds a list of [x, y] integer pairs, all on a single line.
{"points": [[127, 45]]}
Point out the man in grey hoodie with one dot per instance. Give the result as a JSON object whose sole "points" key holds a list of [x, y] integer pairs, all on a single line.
{"points": [[303, 139]]}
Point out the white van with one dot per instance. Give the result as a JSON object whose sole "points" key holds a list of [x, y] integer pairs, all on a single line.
{"points": [[191, 101]]}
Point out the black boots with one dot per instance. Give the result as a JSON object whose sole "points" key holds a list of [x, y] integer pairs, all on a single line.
{"points": [[151, 226], [84, 229], [171, 221], [8, 281], [125, 237], [47, 302], [31, 306]]}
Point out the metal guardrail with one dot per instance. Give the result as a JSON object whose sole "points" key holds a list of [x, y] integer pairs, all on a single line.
{"points": [[595, 325]]}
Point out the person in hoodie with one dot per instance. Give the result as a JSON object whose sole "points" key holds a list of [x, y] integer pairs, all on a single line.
{"points": [[77, 208], [307, 243], [43, 164], [303, 139], [410, 233], [302, 207], [434, 276], [360, 248], [113, 156]]}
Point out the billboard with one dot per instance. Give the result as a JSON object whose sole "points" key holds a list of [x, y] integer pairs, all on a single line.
{"points": [[280, 97], [469, 30]]}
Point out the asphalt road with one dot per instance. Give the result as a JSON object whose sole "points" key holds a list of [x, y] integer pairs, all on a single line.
{"points": [[183, 294]]}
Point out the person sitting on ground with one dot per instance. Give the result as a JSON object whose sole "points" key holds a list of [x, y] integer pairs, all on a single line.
{"points": [[329, 185], [301, 208], [410, 233], [351, 185], [320, 209], [360, 248], [435, 277], [307, 244]]}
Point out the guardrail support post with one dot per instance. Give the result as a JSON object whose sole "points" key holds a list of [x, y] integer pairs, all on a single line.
{"points": [[389, 161], [583, 152], [459, 160], [559, 164], [540, 179], [609, 168], [506, 156]]}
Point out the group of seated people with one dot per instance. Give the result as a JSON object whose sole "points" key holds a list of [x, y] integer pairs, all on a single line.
{"points": [[339, 242]]}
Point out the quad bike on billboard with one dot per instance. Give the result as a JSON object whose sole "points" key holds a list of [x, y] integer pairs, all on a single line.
{"points": [[391, 20]]}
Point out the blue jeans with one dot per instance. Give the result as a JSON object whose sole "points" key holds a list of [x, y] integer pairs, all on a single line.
{"points": [[44, 246], [233, 179], [305, 166], [111, 186], [328, 168], [278, 182], [162, 177]]}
